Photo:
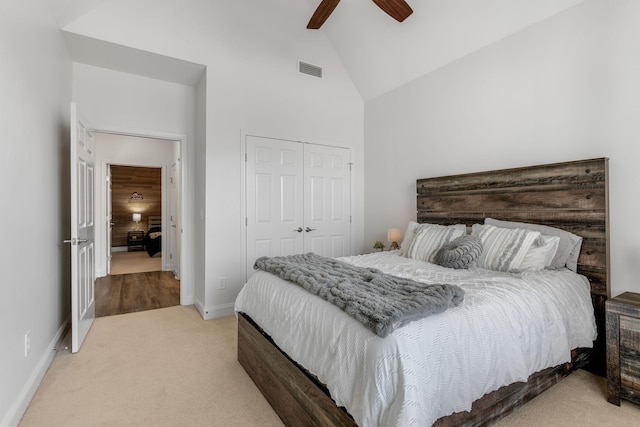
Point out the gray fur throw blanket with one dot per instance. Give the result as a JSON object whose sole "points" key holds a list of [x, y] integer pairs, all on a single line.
{"points": [[379, 301]]}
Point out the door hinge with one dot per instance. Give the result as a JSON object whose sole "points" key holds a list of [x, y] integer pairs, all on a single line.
{"points": [[246, 157], [246, 221], [350, 219], [350, 166]]}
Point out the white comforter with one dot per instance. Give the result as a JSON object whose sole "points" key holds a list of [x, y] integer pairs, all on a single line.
{"points": [[508, 327]]}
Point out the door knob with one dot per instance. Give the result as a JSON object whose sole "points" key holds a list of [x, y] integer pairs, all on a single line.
{"points": [[299, 230], [309, 229]]}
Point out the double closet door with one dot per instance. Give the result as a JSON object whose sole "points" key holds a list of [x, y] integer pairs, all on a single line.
{"points": [[298, 199]]}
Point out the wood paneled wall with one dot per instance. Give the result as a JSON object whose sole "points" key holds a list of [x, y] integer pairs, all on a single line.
{"points": [[126, 180]]}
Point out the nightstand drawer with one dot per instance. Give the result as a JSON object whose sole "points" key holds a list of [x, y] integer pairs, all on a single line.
{"points": [[630, 353], [623, 348]]}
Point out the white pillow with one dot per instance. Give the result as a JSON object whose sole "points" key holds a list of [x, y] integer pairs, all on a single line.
{"points": [[540, 254], [568, 248], [504, 249], [428, 238], [408, 237], [414, 227]]}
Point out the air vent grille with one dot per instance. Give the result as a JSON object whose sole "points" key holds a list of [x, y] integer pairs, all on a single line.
{"points": [[312, 70]]}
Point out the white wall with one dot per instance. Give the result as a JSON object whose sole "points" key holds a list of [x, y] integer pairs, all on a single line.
{"points": [[564, 89], [200, 198], [113, 100], [35, 88], [250, 49], [125, 151]]}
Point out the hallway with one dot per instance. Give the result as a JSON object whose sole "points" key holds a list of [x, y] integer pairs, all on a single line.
{"points": [[128, 293]]}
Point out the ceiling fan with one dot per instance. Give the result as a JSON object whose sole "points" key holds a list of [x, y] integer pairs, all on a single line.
{"points": [[397, 9]]}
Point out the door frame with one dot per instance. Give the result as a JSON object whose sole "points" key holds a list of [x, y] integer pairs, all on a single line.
{"points": [[106, 165], [243, 186], [185, 205]]}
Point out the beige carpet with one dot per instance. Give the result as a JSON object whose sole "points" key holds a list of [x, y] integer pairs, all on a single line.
{"points": [[165, 367], [168, 367], [134, 262]]}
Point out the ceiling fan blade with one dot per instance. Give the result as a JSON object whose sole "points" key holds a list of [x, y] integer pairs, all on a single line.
{"points": [[322, 13], [397, 9]]}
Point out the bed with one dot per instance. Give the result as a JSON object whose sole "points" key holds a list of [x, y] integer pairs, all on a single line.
{"points": [[153, 237], [570, 196]]}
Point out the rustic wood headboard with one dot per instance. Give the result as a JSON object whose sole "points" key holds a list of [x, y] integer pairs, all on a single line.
{"points": [[154, 221], [572, 196]]}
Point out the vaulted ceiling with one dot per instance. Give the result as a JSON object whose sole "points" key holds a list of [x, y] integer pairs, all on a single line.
{"points": [[381, 54]]}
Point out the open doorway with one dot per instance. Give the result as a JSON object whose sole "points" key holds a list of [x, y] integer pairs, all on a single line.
{"points": [[136, 219], [140, 207]]}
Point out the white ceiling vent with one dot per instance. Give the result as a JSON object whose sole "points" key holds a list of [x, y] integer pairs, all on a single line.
{"points": [[312, 70]]}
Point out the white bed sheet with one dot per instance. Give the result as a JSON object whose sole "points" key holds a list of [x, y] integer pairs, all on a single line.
{"points": [[508, 327]]}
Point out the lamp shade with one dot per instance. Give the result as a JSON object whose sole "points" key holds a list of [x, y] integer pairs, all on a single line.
{"points": [[137, 217], [394, 235]]}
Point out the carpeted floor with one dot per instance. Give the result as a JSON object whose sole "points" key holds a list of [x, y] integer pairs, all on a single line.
{"points": [[168, 367], [164, 367]]}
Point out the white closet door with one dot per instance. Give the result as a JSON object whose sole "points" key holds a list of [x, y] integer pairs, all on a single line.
{"points": [[298, 199], [274, 180], [327, 200]]}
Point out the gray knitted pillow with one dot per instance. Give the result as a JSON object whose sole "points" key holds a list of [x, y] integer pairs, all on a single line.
{"points": [[459, 253]]}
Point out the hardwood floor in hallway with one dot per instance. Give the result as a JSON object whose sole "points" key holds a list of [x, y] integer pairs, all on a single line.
{"points": [[128, 293]]}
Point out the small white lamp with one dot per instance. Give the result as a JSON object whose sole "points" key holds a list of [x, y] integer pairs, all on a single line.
{"points": [[394, 235], [137, 217]]}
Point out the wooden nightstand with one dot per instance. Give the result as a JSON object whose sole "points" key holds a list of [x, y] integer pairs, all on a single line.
{"points": [[135, 241], [623, 348]]}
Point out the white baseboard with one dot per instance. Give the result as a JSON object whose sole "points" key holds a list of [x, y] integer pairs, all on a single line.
{"points": [[215, 311], [13, 417], [119, 249]]}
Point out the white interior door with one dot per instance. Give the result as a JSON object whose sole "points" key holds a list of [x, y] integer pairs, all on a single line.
{"points": [[327, 200], [109, 218], [82, 229], [274, 193]]}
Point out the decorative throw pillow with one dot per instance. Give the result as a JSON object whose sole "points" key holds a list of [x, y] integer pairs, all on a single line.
{"points": [[459, 253], [540, 254], [408, 237], [568, 247], [504, 249], [431, 237], [414, 227]]}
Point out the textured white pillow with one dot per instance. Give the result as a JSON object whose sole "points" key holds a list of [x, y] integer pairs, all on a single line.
{"points": [[568, 248], [429, 238], [408, 237], [414, 227], [504, 248], [540, 254]]}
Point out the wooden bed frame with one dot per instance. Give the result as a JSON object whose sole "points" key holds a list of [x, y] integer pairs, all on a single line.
{"points": [[572, 196]]}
